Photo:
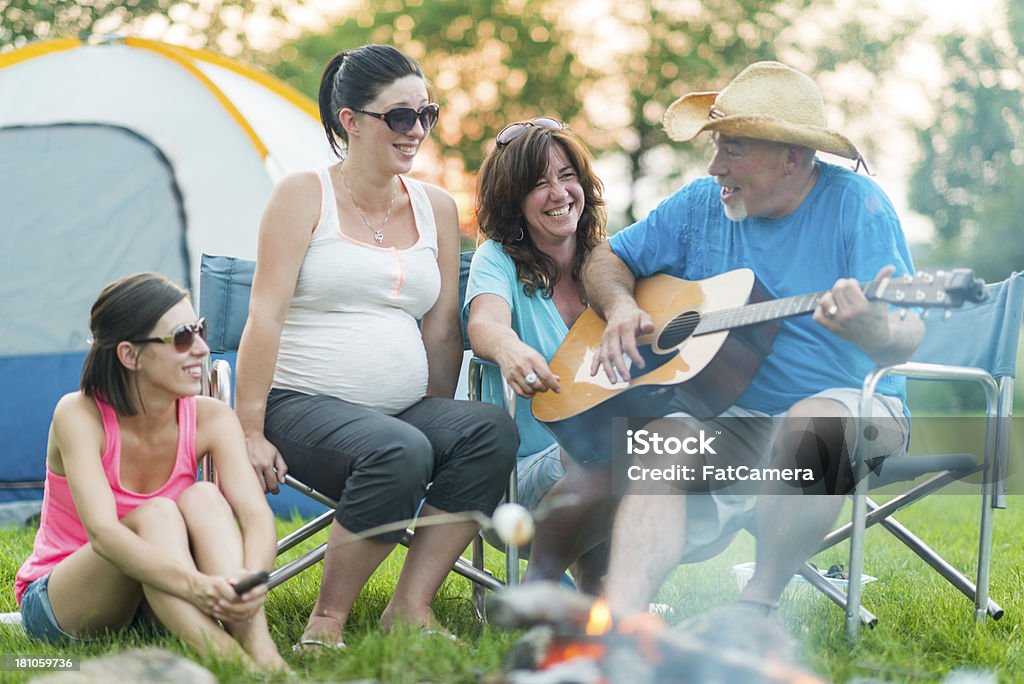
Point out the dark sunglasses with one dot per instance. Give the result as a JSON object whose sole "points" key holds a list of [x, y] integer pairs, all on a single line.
{"points": [[402, 119], [514, 130], [182, 337]]}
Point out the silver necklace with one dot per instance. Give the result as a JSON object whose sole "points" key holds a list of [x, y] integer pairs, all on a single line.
{"points": [[378, 233]]}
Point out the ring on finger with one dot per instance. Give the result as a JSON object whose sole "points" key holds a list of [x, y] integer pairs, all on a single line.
{"points": [[530, 378], [832, 310]]}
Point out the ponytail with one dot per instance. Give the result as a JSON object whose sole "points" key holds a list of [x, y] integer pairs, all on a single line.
{"points": [[353, 78], [328, 114]]}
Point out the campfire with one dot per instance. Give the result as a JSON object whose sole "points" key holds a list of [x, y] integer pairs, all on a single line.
{"points": [[572, 640]]}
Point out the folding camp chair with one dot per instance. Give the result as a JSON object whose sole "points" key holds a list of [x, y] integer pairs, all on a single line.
{"points": [[976, 343], [225, 284]]}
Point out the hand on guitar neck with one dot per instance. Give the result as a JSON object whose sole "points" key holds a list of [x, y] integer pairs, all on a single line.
{"points": [[885, 338], [619, 351]]}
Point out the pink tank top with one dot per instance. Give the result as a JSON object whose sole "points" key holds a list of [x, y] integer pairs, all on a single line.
{"points": [[60, 530]]}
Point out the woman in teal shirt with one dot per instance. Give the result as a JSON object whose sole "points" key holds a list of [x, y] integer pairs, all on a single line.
{"points": [[539, 205]]}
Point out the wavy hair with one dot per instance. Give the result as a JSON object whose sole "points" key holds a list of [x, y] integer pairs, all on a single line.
{"points": [[508, 175]]}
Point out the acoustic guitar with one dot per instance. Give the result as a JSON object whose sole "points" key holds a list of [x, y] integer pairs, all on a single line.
{"points": [[710, 337]]}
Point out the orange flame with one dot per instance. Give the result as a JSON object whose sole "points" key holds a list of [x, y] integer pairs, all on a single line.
{"points": [[600, 620], [560, 652]]}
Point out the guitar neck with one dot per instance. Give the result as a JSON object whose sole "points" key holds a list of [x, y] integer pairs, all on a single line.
{"points": [[727, 319]]}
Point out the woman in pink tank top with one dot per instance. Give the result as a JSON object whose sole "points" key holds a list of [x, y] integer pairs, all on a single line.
{"points": [[126, 529]]}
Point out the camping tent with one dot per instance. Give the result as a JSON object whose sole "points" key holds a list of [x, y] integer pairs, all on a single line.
{"points": [[120, 157]]}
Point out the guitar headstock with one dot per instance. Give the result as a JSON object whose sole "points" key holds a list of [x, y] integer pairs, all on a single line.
{"points": [[939, 289]]}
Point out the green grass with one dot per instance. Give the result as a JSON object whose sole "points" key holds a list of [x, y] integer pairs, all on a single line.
{"points": [[926, 628]]}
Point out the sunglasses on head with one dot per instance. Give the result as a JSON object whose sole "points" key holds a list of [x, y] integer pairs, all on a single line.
{"points": [[182, 337], [514, 130], [403, 119]]}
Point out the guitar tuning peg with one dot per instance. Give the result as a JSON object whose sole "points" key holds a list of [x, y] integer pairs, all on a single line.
{"points": [[908, 279]]}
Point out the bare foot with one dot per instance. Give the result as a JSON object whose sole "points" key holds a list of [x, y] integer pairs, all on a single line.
{"points": [[423, 618]]}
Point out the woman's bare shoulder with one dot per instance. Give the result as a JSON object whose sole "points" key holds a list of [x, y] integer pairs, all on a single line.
{"points": [[75, 406]]}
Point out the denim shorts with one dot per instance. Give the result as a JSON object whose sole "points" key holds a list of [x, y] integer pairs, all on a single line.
{"points": [[537, 474], [39, 622], [37, 618]]}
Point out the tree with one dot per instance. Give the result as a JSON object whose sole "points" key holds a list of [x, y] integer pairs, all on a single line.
{"points": [[222, 24], [612, 76], [490, 62], [669, 48], [971, 172]]}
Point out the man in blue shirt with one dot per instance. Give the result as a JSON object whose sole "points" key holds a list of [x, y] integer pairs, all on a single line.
{"points": [[802, 225]]}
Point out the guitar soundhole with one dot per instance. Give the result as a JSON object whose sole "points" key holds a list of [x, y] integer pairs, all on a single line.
{"points": [[678, 330]]}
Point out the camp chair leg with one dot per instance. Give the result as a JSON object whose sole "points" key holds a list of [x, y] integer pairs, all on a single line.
{"points": [[814, 578], [947, 571], [880, 514], [462, 567], [305, 532], [511, 550], [286, 572], [481, 577], [982, 603], [856, 567], [877, 513], [479, 595], [996, 443]]}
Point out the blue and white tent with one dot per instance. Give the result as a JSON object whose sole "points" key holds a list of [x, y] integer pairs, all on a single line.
{"points": [[120, 157]]}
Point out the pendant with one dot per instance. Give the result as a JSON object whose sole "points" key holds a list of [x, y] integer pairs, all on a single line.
{"points": [[378, 237]]}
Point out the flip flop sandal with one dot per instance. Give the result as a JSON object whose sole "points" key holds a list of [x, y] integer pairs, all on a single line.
{"points": [[445, 634], [317, 646]]}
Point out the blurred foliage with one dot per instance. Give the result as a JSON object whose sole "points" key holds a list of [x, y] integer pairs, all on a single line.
{"points": [[218, 24], [609, 70], [497, 61], [23, 21], [675, 50], [678, 47], [490, 62], [972, 166]]}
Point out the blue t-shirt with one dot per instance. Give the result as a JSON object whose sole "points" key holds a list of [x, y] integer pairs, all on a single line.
{"points": [[845, 228], [535, 319]]}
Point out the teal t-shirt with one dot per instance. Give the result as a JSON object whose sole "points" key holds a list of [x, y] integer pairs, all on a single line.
{"points": [[535, 319], [845, 228]]}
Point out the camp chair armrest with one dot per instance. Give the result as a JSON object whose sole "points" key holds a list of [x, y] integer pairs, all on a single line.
{"points": [[929, 371], [216, 382], [477, 367], [915, 370]]}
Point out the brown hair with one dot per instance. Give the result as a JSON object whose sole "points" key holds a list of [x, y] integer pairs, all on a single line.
{"points": [[126, 309], [508, 174]]}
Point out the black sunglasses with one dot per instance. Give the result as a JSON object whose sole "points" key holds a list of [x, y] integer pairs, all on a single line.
{"points": [[182, 337], [402, 119], [514, 130]]}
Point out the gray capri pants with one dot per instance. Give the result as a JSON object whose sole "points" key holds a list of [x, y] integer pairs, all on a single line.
{"points": [[378, 466]]}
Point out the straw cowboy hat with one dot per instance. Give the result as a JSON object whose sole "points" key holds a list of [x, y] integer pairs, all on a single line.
{"points": [[766, 101]]}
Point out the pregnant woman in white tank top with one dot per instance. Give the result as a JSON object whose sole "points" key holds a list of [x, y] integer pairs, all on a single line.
{"points": [[351, 352]]}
